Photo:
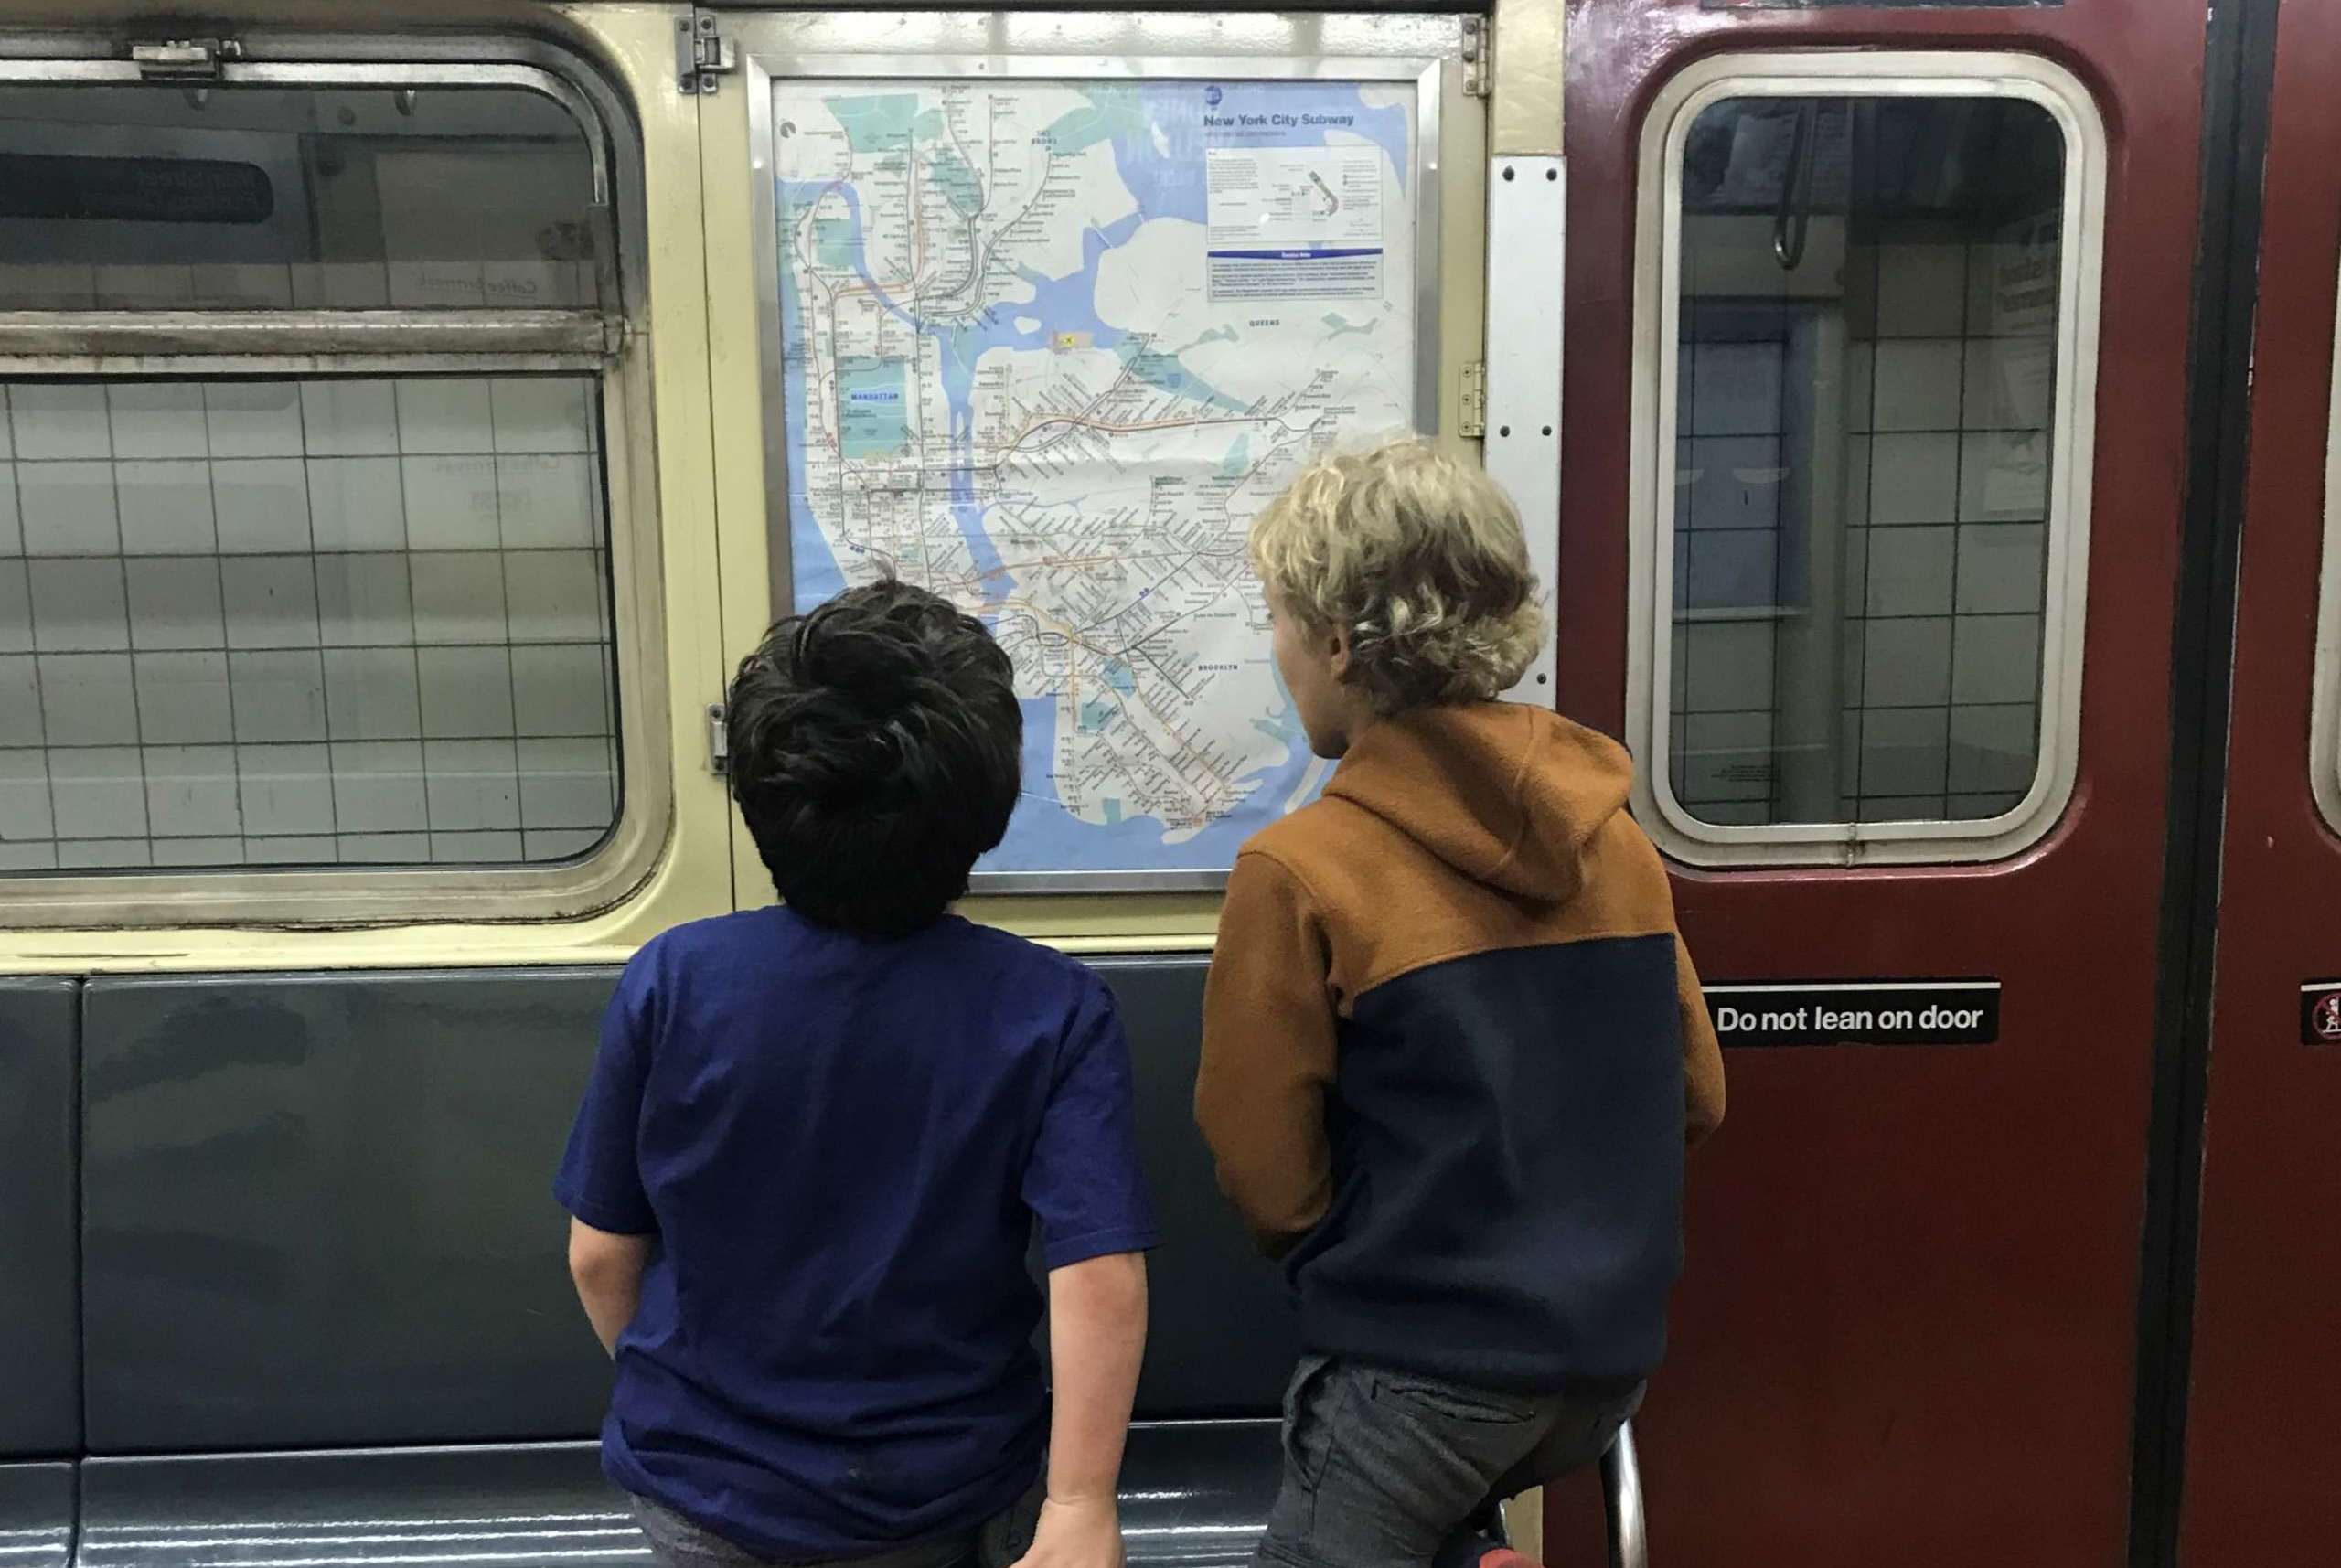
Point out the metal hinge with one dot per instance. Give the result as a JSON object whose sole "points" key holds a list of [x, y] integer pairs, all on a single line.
{"points": [[719, 739], [183, 59], [1474, 420], [702, 54], [1476, 45]]}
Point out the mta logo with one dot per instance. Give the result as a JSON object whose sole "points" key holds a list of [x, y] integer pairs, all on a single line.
{"points": [[1212, 96]]}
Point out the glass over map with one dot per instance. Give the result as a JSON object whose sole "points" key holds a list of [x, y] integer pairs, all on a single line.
{"points": [[1048, 348]]}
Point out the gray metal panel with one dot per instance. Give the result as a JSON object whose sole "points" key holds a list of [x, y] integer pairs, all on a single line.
{"points": [[37, 1515], [40, 1395], [1222, 1336], [316, 1208], [1195, 1495], [317, 1212]]}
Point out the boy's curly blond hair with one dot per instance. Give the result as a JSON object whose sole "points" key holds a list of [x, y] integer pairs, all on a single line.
{"points": [[1420, 558]]}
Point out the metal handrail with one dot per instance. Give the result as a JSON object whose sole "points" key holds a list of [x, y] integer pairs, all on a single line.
{"points": [[1621, 1502], [1793, 217]]}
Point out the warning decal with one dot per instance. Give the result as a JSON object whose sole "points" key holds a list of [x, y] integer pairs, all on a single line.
{"points": [[1858, 1012]]}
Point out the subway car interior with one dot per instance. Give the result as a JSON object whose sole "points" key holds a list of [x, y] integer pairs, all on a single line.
{"points": [[1922, 414]]}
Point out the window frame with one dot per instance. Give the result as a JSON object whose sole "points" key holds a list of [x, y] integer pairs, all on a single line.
{"points": [[608, 341], [2325, 683], [1783, 73]]}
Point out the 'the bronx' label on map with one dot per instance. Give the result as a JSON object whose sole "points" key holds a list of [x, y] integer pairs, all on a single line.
{"points": [[1013, 372], [1858, 1012]]}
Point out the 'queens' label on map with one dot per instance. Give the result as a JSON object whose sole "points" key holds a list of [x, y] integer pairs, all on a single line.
{"points": [[1294, 222]]}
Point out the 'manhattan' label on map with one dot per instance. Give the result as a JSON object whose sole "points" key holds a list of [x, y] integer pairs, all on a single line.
{"points": [[1048, 348]]}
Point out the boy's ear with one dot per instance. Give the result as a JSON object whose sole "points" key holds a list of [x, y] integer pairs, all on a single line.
{"points": [[1337, 653]]}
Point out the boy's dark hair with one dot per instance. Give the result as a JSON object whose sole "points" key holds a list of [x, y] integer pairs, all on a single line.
{"points": [[876, 752]]}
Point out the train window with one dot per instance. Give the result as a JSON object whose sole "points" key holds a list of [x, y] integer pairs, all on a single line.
{"points": [[131, 197], [323, 535], [268, 622], [1865, 448]]}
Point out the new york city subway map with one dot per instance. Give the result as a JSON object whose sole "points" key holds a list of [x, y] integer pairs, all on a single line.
{"points": [[1047, 349]]}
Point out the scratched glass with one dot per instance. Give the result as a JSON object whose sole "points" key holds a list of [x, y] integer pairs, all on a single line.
{"points": [[132, 197]]}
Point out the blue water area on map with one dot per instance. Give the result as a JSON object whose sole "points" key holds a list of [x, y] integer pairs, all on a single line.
{"points": [[1045, 837], [1158, 140]]}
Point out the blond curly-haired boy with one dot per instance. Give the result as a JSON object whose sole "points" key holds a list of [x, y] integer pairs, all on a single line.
{"points": [[1453, 1048]]}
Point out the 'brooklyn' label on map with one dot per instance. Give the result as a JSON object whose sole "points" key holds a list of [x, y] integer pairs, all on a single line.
{"points": [[1015, 371], [1858, 1012]]}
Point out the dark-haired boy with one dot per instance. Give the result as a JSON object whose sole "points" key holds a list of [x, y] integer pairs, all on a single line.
{"points": [[819, 1137]]}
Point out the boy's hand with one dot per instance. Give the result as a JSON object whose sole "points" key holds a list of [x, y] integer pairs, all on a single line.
{"points": [[1085, 1533]]}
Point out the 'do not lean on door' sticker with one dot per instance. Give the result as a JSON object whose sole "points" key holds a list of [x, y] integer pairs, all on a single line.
{"points": [[1858, 1012]]}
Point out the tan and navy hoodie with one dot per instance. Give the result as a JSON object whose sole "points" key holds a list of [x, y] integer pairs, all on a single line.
{"points": [[1454, 1050]]}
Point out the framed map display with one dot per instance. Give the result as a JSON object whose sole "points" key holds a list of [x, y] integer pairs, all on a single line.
{"points": [[1046, 342]]}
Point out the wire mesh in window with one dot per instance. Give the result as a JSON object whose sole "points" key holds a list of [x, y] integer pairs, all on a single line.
{"points": [[324, 622]]}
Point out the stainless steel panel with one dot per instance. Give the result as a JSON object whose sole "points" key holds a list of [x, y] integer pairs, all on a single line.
{"points": [[1195, 1494], [1527, 229], [37, 1515], [40, 1396], [317, 1210], [544, 1504], [1223, 1336]]}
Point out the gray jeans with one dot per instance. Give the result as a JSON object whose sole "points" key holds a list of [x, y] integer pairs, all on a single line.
{"points": [[1381, 1469], [679, 1543]]}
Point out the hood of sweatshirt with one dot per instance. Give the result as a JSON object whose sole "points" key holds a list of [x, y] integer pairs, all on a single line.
{"points": [[1505, 793]]}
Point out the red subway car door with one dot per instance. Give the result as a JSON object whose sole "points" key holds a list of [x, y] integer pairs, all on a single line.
{"points": [[2261, 1447], [1873, 468]]}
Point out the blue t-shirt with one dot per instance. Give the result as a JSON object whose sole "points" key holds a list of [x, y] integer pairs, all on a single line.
{"points": [[843, 1145]]}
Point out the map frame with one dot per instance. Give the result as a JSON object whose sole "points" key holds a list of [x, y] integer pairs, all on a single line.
{"points": [[760, 72]]}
